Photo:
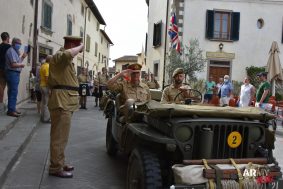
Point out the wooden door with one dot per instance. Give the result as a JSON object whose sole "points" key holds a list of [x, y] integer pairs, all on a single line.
{"points": [[217, 72]]}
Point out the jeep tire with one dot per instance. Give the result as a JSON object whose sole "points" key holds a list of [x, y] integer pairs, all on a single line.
{"points": [[143, 171]]}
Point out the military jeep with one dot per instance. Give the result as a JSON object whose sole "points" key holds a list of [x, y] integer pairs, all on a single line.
{"points": [[158, 136]]}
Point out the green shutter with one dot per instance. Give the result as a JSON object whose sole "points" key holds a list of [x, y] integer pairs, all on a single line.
{"points": [[235, 26], [209, 24]]}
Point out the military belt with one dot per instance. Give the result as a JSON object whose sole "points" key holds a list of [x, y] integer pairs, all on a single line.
{"points": [[66, 87]]}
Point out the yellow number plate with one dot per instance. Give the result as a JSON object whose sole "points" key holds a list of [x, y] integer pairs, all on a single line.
{"points": [[234, 139]]}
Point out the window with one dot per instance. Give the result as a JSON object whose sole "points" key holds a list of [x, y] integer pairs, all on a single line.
{"points": [[98, 57], [95, 50], [260, 23], [81, 32], [82, 9], [31, 2], [87, 43], [97, 26], [69, 25], [89, 14], [157, 34], [155, 69], [221, 25], [47, 14]]}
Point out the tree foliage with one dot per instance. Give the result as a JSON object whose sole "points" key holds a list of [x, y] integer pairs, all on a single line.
{"points": [[191, 60], [251, 72]]}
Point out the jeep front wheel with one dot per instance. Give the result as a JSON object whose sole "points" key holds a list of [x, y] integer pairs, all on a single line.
{"points": [[111, 144], [143, 171]]}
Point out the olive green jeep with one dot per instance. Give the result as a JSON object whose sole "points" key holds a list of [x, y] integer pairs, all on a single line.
{"points": [[164, 141]]}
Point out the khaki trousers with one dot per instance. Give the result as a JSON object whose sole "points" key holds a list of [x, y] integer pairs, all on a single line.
{"points": [[59, 134]]}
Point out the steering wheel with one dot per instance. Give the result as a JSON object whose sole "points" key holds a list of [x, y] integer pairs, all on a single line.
{"points": [[194, 96]]}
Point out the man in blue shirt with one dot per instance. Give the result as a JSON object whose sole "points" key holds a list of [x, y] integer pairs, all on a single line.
{"points": [[4, 46], [13, 70], [226, 91]]}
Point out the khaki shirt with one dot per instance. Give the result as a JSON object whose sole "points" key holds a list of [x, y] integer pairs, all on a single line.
{"points": [[170, 92], [140, 93], [62, 72], [101, 79], [153, 84], [82, 78]]}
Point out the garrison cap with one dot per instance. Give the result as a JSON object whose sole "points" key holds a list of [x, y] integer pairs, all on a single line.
{"points": [[178, 71], [135, 67]]}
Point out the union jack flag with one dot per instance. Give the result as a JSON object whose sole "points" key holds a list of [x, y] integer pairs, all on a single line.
{"points": [[173, 33]]}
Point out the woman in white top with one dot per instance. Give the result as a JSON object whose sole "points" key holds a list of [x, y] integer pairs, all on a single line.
{"points": [[247, 93]]}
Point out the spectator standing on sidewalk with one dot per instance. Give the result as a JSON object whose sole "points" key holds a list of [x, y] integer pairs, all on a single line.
{"points": [[31, 86], [37, 88], [63, 101], [226, 90], [4, 46], [44, 74], [13, 70], [263, 92], [247, 93], [209, 87]]}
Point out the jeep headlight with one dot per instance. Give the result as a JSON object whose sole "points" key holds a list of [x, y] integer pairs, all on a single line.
{"points": [[255, 133], [183, 133]]}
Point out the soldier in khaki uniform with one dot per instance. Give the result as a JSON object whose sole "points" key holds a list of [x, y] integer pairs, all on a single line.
{"points": [[145, 79], [133, 89], [170, 92], [101, 84], [152, 84], [62, 103], [83, 79]]}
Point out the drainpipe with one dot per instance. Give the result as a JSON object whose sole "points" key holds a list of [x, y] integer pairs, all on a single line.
{"points": [[35, 37], [83, 63], [165, 43]]}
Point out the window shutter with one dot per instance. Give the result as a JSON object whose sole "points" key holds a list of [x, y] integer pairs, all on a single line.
{"points": [[209, 24], [235, 26]]}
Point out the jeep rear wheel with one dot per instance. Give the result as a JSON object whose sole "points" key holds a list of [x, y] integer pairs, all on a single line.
{"points": [[143, 171], [111, 144]]}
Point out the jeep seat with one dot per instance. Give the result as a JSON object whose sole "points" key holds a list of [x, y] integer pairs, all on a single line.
{"points": [[156, 94]]}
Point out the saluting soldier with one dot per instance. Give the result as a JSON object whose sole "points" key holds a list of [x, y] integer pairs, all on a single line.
{"points": [[84, 89], [62, 103], [152, 84], [170, 92], [145, 79], [133, 89], [101, 84]]}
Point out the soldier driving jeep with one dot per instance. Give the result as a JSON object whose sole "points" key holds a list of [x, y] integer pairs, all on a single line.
{"points": [[176, 87]]}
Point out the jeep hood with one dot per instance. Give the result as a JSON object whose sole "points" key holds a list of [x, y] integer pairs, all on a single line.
{"points": [[155, 109]]}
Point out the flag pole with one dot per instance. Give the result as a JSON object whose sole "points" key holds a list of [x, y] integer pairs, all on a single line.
{"points": [[165, 44]]}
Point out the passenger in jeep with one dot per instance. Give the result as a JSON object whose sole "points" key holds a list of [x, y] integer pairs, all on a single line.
{"points": [[132, 88], [170, 92]]}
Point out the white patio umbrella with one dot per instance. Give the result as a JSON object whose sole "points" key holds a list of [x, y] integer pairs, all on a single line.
{"points": [[274, 68]]}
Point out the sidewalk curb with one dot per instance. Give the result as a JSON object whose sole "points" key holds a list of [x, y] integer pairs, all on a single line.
{"points": [[18, 152]]}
